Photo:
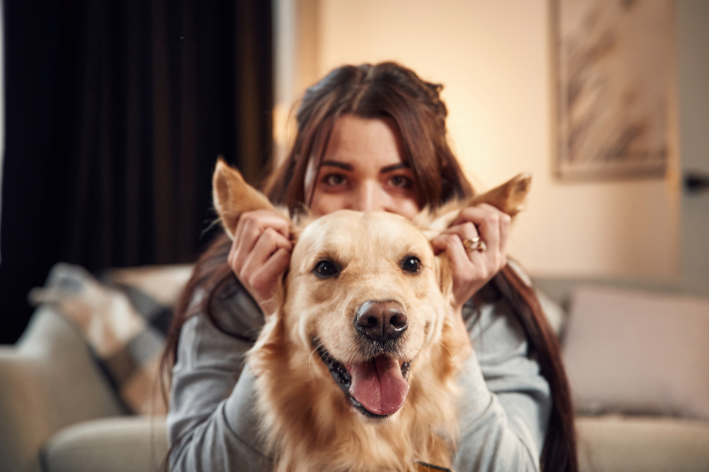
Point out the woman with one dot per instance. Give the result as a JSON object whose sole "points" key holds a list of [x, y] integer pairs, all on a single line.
{"points": [[371, 137]]}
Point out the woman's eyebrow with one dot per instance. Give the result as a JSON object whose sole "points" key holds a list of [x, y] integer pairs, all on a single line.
{"points": [[392, 167], [340, 165]]}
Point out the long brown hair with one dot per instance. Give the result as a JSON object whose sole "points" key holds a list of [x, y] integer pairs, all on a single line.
{"points": [[388, 90]]}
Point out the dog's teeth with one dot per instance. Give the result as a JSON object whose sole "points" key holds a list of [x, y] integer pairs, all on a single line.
{"points": [[343, 377], [405, 366]]}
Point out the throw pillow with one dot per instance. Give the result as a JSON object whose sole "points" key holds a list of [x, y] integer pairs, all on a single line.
{"points": [[123, 325], [633, 352]]}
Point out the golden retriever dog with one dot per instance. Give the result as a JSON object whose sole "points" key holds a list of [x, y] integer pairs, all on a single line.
{"points": [[357, 371]]}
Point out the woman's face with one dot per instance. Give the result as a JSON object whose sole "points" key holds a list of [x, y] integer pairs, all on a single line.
{"points": [[363, 170]]}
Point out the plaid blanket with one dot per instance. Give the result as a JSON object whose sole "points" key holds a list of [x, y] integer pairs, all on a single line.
{"points": [[124, 318]]}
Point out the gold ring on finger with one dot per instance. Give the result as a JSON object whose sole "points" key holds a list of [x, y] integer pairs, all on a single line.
{"points": [[474, 244]]}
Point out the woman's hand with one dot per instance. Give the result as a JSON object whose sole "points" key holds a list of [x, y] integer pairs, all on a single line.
{"points": [[471, 268], [260, 254]]}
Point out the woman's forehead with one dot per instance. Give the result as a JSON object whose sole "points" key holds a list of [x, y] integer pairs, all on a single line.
{"points": [[363, 144]]}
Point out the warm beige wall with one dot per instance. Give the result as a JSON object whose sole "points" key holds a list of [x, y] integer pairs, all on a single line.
{"points": [[494, 59]]}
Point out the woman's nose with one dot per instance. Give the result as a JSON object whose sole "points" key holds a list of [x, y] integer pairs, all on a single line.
{"points": [[369, 197]]}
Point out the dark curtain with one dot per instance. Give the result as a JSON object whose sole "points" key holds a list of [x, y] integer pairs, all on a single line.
{"points": [[115, 114]]}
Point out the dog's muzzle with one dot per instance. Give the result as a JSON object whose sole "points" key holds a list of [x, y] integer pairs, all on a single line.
{"points": [[376, 388]]}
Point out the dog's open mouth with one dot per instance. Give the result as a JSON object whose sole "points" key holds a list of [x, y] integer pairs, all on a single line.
{"points": [[376, 388]]}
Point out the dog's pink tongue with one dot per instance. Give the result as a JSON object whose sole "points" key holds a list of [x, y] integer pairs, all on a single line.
{"points": [[379, 386]]}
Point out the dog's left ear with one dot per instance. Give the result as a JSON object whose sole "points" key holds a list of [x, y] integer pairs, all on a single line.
{"points": [[508, 198], [233, 196]]}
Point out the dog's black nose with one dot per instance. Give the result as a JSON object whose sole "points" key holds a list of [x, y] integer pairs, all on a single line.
{"points": [[381, 321]]}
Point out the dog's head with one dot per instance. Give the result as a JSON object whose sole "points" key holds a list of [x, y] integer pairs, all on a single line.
{"points": [[365, 288], [364, 291]]}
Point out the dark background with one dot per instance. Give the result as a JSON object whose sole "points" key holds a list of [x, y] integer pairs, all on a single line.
{"points": [[115, 114]]}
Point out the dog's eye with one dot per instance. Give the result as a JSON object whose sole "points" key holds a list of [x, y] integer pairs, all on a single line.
{"points": [[325, 269], [411, 264]]}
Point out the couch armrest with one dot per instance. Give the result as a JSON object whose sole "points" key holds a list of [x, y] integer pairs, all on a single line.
{"points": [[48, 381], [126, 444], [642, 444]]}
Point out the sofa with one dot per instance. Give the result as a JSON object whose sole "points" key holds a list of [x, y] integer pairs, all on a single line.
{"points": [[62, 411]]}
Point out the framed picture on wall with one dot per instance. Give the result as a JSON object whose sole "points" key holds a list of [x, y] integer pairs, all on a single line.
{"points": [[614, 70]]}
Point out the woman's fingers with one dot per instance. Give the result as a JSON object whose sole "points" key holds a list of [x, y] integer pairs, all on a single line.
{"points": [[266, 275], [493, 225], [505, 224], [465, 266], [464, 231], [257, 265], [473, 268], [250, 227], [260, 253]]}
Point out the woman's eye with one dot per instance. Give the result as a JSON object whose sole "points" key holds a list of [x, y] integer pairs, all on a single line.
{"points": [[401, 181], [411, 264], [335, 180], [325, 269]]}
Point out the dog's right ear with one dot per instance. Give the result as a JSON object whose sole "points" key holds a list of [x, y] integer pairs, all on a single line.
{"points": [[233, 196]]}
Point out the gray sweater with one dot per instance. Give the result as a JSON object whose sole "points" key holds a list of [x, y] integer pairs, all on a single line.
{"points": [[212, 423]]}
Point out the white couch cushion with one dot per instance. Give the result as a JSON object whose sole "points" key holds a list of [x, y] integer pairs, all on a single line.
{"points": [[121, 444]]}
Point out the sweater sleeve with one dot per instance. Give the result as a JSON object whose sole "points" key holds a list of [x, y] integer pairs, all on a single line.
{"points": [[212, 425], [506, 403]]}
